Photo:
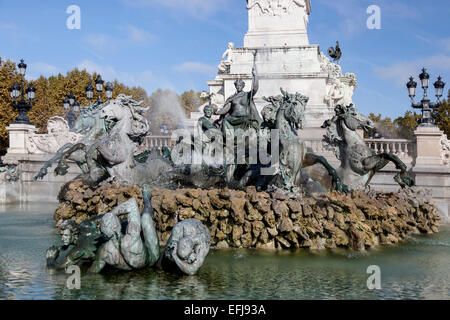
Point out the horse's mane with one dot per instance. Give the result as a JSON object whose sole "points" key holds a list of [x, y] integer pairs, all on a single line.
{"points": [[332, 137], [140, 125], [281, 103]]}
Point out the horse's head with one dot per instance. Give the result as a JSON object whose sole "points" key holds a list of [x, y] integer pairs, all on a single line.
{"points": [[294, 109], [353, 119], [346, 118], [127, 111], [114, 112]]}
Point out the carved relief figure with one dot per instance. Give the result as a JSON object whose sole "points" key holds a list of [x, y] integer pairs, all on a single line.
{"points": [[227, 59], [445, 150], [58, 135], [335, 93], [340, 88], [274, 7]]}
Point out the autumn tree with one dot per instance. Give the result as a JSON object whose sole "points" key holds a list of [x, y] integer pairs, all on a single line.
{"points": [[190, 101], [50, 93], [8, 75], [442, 116], [407, 124], [385, 127]]}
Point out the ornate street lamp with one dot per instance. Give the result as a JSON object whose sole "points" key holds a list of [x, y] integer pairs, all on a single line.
{"points": [[99, 86], [22, 68], [66, 103], [68, 106], [72, 108], [89, 92], [76, 107], [164, 130], [424, 78], [425, 104], [71, 98], [16, 90], [108, 90], [439, 86], [31, 92], [411, 85]]}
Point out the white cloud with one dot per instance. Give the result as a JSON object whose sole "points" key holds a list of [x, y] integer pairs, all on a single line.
{"points": [[198, 8], [145, 79], [37, 69], [400, 72], [101, 42], [107, 72], [427, 40], [130, 35], [196, 67], [137, 35], [400, 10], [44, 68], [352, 17]]}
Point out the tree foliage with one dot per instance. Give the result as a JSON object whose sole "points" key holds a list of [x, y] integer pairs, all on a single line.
{"points": [[190, 101], [8, 75], [407, 124], [442, 116]]}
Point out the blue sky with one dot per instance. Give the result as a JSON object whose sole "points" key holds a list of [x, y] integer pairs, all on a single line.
{"points": [[177, 44]]}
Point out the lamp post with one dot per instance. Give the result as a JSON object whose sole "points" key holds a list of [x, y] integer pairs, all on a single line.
{"points": [[89, 92], [72, 108], [164, 130], [109, 90], [99, 86], [425, 104], [17, 90]]}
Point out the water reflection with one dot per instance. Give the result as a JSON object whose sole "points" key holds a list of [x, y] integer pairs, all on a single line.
{"points": [[417, 269]]}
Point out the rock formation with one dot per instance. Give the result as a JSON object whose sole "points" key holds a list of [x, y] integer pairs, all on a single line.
{"points": [[79, 201], [251, 219]]}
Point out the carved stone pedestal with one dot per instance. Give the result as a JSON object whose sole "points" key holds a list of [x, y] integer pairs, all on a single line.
{"points": [[428, 141], [18, 137]]}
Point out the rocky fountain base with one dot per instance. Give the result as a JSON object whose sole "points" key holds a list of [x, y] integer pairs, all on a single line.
{"points": [[252, 219]]}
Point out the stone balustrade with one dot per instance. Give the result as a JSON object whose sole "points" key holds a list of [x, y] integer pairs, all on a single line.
{"points": [[403, 148], [158, 141], [400, 147]]}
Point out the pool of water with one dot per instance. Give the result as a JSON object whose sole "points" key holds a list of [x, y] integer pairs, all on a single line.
{"points": [[416, 269]]}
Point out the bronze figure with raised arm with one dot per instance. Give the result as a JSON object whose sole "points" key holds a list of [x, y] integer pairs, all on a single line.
{"points": [[239, 111]]}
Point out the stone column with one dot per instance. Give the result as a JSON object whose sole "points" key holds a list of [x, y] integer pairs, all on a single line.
{"points": [[18, 137], [428, 139], [276, 23], [429, 170]]}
